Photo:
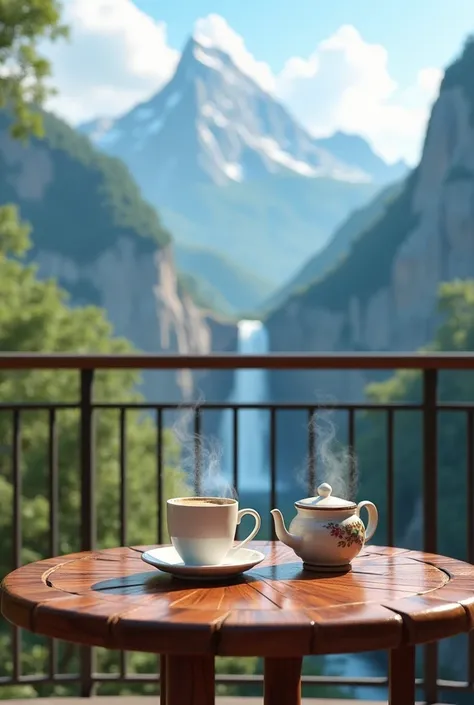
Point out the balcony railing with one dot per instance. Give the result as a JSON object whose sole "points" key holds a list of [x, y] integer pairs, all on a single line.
{"points": [[86, 407]]}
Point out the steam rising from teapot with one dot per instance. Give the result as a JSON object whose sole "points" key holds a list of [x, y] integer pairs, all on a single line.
{"points": [[336, 464]]}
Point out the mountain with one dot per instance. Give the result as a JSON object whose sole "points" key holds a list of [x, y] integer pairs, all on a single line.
{"points": [[383, 294], [338, 246], [355, 151], [235, 289], [221, 158], [213, 123], [93, 232]]}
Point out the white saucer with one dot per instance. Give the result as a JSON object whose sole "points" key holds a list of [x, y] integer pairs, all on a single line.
{"points": [[237, 561]]}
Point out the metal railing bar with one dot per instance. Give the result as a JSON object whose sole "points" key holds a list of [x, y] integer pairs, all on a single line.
{"points": [[53, 514], [272, 460], [17, 488], [271, 361], [300, 406], [454, 406], [222, 678], [40, 406], [470, 485], [454, 685], [311, 480], [197, 452], [390, 480], [235, 457], [470, 524], [88, 504], [237, 679], [17, 528], [53, 484], [265, 406], [430, 461], [352, 461], [159, 474], [235, 449], [41, 678], [123, 476], [430, 513], [88, 524]]}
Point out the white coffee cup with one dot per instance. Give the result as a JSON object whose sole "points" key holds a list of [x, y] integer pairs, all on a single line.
{"points": [[202, 529]]}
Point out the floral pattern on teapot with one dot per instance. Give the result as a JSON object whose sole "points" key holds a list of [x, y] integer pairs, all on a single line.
{"points": [[347, 534]]}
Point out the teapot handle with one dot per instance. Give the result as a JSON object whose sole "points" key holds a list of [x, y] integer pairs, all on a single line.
{"points": [[373, 518]]}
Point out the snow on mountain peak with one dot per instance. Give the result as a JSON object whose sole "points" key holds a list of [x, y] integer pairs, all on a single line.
{"points": [[213, 33], [215, 122]]}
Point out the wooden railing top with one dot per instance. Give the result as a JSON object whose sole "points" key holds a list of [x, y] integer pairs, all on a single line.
{"points": [[230, 361]]}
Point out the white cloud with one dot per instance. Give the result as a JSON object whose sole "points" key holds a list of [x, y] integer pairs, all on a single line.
{"points": [[213, 31], [345, 85], [429, 80], [117, 55]]}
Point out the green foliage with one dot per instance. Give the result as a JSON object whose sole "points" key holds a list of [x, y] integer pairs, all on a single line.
{"points": [[23, 83], [34, 317], [89, 201], [456, 334]]}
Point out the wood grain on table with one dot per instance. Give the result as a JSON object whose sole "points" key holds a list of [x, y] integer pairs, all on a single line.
{"points": [[111, 598]]}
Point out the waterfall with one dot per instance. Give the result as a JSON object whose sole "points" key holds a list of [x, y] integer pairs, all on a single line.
{"points": [[250, 387]]}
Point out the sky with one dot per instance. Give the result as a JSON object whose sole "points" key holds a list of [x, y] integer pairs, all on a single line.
{"points": [[366, 67]]}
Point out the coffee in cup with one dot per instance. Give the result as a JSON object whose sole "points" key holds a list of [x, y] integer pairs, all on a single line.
{"points": [[202, 529]]}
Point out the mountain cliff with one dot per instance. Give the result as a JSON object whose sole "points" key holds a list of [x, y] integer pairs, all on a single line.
{"points": [[338, 246], [382, 295], [230, 168], [93, 233]]}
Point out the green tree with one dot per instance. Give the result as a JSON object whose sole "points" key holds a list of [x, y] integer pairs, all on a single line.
{"points": [[455, 334], [34, 317], [23, 78]]}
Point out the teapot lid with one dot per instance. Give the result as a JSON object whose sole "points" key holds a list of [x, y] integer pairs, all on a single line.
{"points": [[325, 500]]}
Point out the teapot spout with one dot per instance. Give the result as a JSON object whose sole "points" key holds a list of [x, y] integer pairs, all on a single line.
{"points": [[285, 537]]}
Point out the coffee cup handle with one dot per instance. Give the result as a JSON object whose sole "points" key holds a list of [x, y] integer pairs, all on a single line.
{"points": [[255, 530]]}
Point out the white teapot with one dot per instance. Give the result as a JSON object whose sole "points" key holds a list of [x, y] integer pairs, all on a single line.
{"points": [[327, 533]]}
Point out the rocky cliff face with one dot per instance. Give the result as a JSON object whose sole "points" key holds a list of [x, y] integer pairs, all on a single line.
{"points": [[140, 293], [383, 296], [93, 232]]}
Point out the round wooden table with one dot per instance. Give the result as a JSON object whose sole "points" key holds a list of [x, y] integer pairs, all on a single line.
{"points": [[393, 599]]}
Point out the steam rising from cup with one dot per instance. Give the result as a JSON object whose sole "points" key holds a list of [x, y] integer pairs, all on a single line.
{"points": [[201, 457]]}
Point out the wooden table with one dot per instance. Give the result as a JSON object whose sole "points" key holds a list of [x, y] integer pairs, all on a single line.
{"points": [[393, 599]]}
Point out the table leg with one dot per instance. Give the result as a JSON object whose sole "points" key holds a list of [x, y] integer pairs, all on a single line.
{"points": [[402, 676], [162, 680], [189, 680], [282, 681]]}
